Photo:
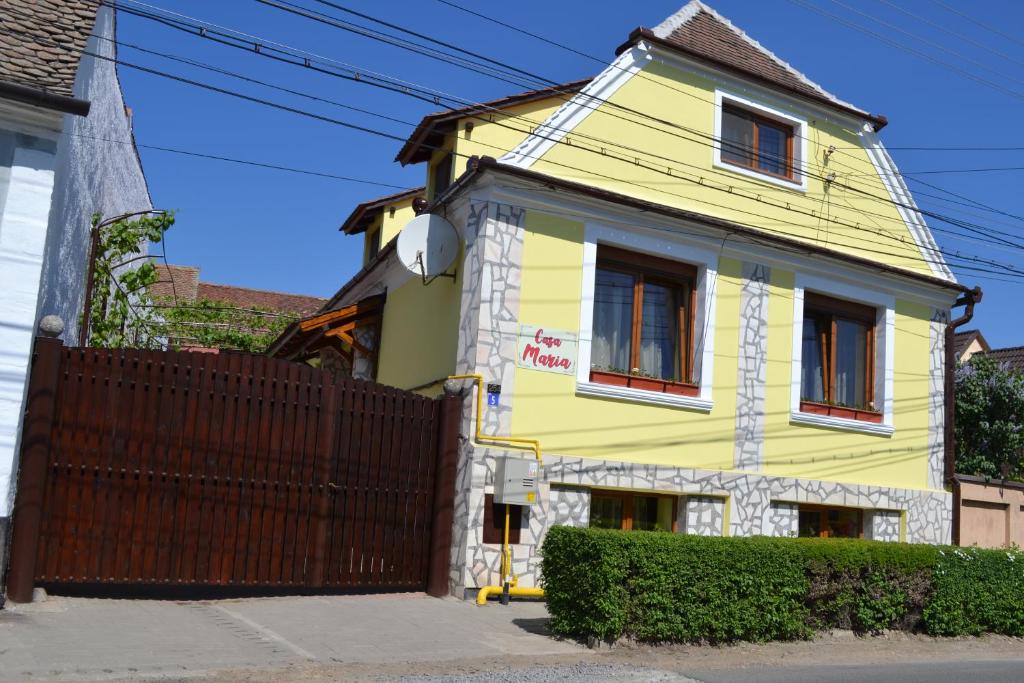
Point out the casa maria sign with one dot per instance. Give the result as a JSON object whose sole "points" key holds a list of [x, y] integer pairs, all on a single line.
{"points": [[546, 349]]}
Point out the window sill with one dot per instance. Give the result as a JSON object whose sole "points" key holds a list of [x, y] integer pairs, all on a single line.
{"points": [[841, 423], [662, 386], [815, 408], [799, 186], [642, 396]]}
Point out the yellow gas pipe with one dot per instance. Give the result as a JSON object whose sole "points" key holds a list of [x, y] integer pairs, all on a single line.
{"points": [[506, 551]]}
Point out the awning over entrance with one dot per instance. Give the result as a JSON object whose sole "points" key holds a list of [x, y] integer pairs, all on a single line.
{"points": [[340, 330]]}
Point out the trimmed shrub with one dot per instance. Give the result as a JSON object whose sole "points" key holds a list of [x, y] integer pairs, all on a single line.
{"points": [[866, 586], [977, 591], [654, 586], [670, 587]]}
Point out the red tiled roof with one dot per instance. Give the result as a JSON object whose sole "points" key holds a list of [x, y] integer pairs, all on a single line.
{"points": [[1012, 356], [299, 304], [48, 62], [698, 31], [188, 288], [425, 138]]}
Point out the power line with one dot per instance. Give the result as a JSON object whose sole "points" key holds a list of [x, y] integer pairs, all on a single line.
{"points": [[378, 132], [1004, 267], [905, 48], [975, 229], [245, 162], [925, 41], [976, 22], [958, 36]]}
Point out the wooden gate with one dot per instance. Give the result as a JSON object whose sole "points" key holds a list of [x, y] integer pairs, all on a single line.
{"points": [[177, 473]]}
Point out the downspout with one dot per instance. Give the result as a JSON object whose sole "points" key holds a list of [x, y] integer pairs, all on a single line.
{"points": [[509, 585], [968, 300]]}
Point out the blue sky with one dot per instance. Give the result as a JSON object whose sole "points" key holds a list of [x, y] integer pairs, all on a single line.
{"points": [[275, 230]]}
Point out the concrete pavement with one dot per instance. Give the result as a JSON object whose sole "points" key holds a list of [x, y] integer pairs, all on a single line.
{"points": [[91, 639], [412, 638]]}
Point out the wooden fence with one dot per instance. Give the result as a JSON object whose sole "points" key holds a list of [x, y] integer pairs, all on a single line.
{"points": [[171, 471]]}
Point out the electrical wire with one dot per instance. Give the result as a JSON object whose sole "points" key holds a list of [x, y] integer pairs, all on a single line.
{"points": [[300, 112], [1003, 267]]}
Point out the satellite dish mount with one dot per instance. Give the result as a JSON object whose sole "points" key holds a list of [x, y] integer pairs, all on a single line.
{"points": [[427, 246]]}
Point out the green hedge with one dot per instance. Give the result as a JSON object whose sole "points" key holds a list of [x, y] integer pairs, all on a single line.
{"points": [[655, 586]]}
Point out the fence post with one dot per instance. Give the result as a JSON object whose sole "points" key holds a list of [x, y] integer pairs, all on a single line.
{"points": [[450, 419], [325, 458], [40, 410]]}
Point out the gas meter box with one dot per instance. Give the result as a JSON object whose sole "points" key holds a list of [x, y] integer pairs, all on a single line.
{"points": [[516, 481]]}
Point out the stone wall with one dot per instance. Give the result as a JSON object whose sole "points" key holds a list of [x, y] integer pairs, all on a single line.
{"points": [[753, 367], [757, 505]]}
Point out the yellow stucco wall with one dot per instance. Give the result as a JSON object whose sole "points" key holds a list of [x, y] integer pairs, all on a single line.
{"points": [[812, 452], [388, 225], [546, 405], [419, 333], [493, 135], [686, 100]]}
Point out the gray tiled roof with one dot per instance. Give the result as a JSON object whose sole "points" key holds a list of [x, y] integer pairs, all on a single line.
{"points": [[30, 33]]}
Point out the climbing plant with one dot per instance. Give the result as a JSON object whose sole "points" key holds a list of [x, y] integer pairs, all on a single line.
{"points": [[212, 324], [119, 312]]}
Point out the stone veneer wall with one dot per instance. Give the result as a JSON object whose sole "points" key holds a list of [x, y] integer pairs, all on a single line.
{"points": [[936, 402], [753, 367], [758, 505]]}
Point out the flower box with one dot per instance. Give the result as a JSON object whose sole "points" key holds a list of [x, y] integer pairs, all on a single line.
{"points": [[843, 412], [644, 383]]}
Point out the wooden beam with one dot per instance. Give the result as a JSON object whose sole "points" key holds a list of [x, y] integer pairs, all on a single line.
{"points": [[358, 309]]}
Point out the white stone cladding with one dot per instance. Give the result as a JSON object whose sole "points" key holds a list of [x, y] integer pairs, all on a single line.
{"points": [[739, 502]]}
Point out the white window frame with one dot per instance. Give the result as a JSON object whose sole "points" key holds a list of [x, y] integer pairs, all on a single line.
{"points": [[665, 246], [799, 126], [885, 345]]}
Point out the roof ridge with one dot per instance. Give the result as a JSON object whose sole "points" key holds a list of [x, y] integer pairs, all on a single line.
{"points": [[694, 7], [1005, 348]]}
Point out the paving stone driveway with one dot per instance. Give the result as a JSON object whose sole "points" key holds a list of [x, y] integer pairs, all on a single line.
{"points": [[91, 639]]}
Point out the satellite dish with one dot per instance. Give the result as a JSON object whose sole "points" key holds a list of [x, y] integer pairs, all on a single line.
{"points": [[427, 246]]}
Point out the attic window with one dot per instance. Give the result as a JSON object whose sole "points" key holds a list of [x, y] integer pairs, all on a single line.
{"points": [[442, 174], [755, 142]]}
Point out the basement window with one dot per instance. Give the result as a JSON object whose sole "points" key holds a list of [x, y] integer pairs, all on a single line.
{"points": [[819, 521], [632, 512], [643, 322], [837, 359]]}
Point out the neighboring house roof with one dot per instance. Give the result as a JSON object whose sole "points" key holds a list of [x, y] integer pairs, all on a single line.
{"points": [[182, 283], [41, 43], [361, 216], [962, 342], [429, 134], [1012, 356], [700, 32]]}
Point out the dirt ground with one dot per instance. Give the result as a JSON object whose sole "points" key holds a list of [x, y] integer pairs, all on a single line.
{"points": [[838, 648]]}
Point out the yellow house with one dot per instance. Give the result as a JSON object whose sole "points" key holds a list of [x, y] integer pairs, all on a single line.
{"points": [[697, 279]]}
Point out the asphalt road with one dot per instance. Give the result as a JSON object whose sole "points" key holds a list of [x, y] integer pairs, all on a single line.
{"points": [[987, 671]]}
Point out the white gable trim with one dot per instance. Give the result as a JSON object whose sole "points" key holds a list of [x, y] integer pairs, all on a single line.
{"points": [[898, 191], [573, 112]]}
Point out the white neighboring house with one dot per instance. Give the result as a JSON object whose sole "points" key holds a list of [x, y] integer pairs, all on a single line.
{"points": [[66, 152]]}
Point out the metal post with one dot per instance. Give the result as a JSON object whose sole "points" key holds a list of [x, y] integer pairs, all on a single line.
{"points": [[44, 383], [90, 284], [450, 418]]}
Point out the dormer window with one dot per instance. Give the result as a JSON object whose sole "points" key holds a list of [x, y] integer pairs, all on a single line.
{"points": [[757, 143], [760, 141]]}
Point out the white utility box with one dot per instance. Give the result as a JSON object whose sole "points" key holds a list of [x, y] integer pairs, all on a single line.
{"points": [[516, 481]]}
